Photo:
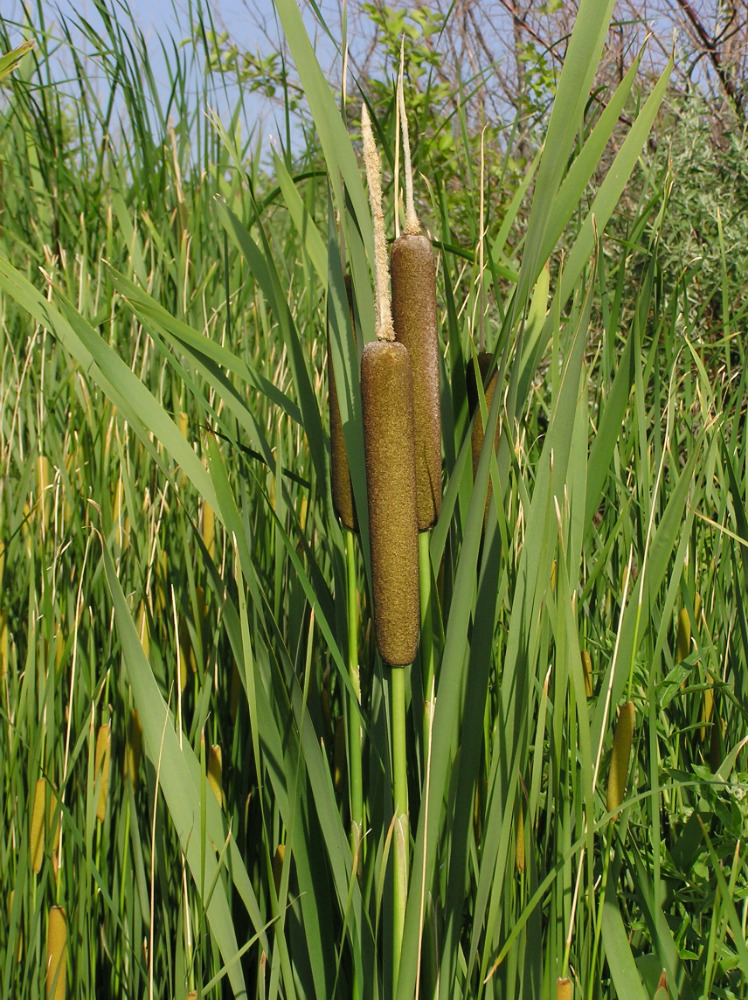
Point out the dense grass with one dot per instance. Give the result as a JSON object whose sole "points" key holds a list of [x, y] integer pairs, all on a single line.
{"points": [[164, 307]]}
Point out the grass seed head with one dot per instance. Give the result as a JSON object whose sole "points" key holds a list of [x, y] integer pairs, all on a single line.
{"points": [[414, 316], [619, 763], [387, 401]]}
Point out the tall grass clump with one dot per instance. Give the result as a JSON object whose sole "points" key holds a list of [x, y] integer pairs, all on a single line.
{"points": [[237, 762]]}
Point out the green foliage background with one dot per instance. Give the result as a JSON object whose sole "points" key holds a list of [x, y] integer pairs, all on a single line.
{"points": [[164, 293]]}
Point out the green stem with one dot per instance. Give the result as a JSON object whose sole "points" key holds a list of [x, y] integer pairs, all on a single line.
{"points": [[354, 713], [355, 779], [400, 822], [601, 896], [427, 636]]}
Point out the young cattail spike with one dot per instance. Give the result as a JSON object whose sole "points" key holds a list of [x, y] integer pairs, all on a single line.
{"points": [[215, 773], [519, 849], [474, 379], [587, 673], [683, 641], [619, 764], [716, 752], [342, 488], [102, 758], [387, 402], [208, 529], [389, 453], [134, 750], [414, 316], [661, 993], [564, 989], [57, 936], [37, 830]]}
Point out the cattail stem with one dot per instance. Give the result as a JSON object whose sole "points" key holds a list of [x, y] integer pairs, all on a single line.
{"points": [[355, 774], [427, 636], [400, 821]]}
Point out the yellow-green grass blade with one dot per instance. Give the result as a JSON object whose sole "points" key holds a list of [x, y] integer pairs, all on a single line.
{"points": [[260, 261], [612, 187], [136, 404], [180, 781], [522, 660], [623, 971], [675, 520], [582, 58], [333, 137]]}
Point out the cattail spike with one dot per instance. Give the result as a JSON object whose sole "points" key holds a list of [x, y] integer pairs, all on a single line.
{"points": [[414, 317], [619, 764], [683, 641], [587, 673], [387, 402], [57, 935], [564, 989], [101, 768]]}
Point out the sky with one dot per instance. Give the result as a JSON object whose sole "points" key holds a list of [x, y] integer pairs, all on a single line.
{"points": [[246, 22]]}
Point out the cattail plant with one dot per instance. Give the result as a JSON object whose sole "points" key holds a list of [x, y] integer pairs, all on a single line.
{"points": [[413, 273], [414, 315], [389, 436], [619, 764]]}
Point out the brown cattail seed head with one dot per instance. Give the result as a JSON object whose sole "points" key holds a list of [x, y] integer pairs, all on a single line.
{"points": [[342, 488], [413, 276], [619, 764], [387, 403]]}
